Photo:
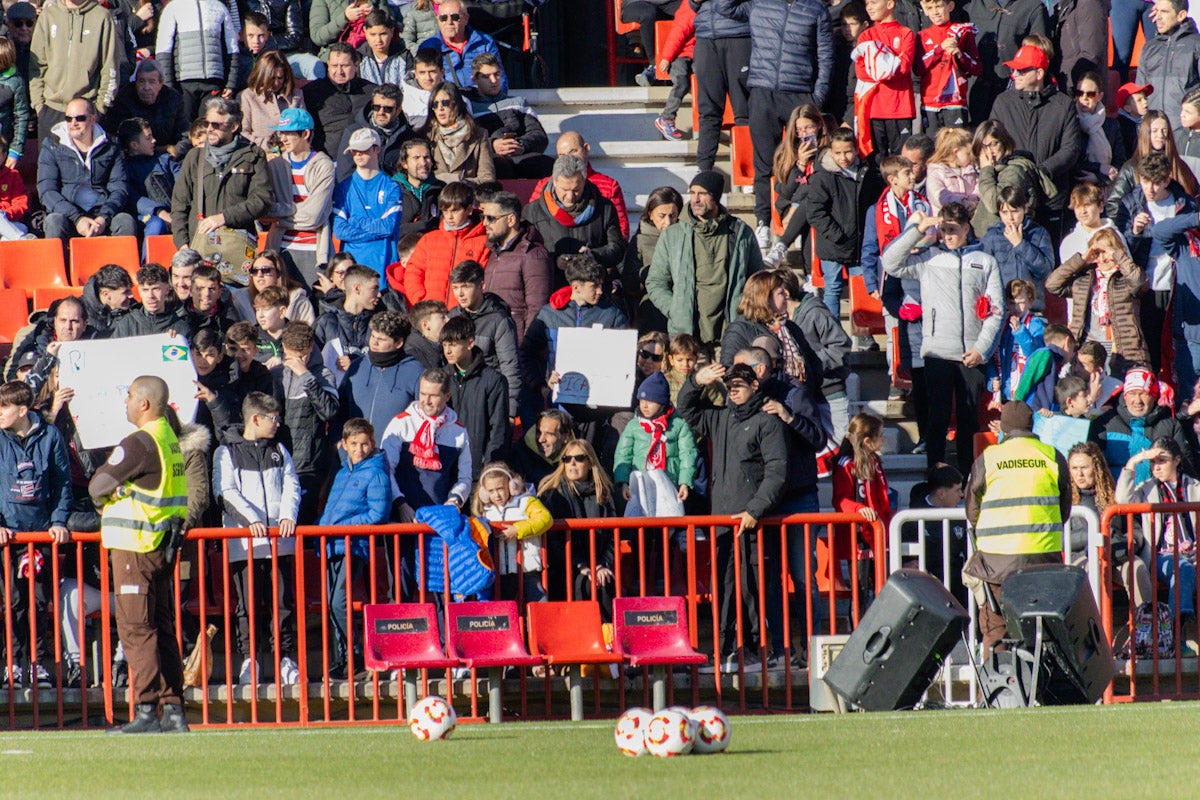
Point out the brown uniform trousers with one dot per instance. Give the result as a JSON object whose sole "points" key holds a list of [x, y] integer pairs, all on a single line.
{"points": [[146, 625]]}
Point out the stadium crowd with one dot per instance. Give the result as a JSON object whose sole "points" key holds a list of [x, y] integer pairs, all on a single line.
{"points": [[393, 347]]}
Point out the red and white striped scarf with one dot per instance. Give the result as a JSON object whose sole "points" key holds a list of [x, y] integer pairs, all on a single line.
{"points": [[424, 447]]}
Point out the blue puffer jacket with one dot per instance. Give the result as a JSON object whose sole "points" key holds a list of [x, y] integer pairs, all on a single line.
{"points": [[712, 24], [35, 478], [380, 393], [458, 65], [793, 44], [361, 495], [1033, 259]]}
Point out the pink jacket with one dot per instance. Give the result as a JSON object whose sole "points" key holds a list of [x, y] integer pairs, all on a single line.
{"points": [[945, 184]]}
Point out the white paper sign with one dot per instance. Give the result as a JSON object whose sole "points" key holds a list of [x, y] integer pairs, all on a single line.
{"points": [[100, 371], [596, 366]]}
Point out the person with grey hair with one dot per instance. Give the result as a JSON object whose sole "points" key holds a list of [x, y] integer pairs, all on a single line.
{"points": [[236, 185], [148, 97], [183, 264], [573, 217]]}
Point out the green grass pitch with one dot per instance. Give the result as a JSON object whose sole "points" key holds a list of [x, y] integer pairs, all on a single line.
{"points": [[1080, 752]]}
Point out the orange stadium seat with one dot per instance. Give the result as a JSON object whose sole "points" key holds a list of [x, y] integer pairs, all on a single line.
{"points": [[622, 27], [14, 315], [726, 120], [160, 249], [42, 298], [741, 156], [662, 29], [29, 264], [89, 255], [866, 312]]}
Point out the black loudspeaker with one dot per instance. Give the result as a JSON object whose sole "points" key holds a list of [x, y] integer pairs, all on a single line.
{"points": [[899, 645], [1076, 659]]}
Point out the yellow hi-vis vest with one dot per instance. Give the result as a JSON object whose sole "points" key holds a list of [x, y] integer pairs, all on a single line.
{"points": [[1020, 512], [137, 519]]}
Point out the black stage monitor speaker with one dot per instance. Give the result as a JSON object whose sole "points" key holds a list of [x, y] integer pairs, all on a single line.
{"points": [[1076, 659], [900, 643]]}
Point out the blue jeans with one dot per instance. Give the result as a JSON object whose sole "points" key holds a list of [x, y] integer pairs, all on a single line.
{"points": [[834, 283], [797, 557], [1124, 17], [1165, 564]]}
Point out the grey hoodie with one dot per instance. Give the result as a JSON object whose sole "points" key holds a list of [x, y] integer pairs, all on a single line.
{"points": [[952, 283]]}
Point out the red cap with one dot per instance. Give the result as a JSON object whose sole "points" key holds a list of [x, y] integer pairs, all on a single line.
{"points": [[1129, 89], [1029, 57]]}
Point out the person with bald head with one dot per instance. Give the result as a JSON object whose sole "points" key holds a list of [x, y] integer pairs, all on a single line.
{"points": [[459, 43], [142, 493], [572, 143]]}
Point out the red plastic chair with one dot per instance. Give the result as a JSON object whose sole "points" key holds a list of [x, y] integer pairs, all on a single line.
{"points": [[89, 255], [726, 119], [866, 312], [160, 249], [488, 634], [30, 264], [652, 631], [403, 636], [42, 298], [662, 29], [741, 156], [569, 633]]}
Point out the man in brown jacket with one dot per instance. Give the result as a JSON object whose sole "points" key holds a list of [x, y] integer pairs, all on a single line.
{"points": [[520, 271]]}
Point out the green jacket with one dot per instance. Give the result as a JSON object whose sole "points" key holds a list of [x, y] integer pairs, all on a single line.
{"points": [[671, 281], [634, 446]]}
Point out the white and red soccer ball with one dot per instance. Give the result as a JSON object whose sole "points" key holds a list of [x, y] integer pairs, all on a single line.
{"points": [[630, 732], [670, 733], [432, 719], [712, 729]]}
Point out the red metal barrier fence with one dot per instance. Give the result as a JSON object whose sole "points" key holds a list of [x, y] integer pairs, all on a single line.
{"points": [[647, 563], [1151, 674]]}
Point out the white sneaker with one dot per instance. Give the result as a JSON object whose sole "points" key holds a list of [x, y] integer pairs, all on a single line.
{"points": [[289, 672], [762, 235], [462, 673], [775, 256], [244, 676]]}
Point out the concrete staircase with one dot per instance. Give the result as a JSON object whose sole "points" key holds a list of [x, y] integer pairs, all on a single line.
{"points": [[618, 123]]}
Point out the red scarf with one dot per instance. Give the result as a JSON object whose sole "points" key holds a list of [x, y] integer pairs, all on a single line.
{"points": [[891, 214], [424, 447], [561, 214], [656, 458]]}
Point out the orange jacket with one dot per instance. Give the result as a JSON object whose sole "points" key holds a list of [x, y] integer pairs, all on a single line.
{"points": [[427, 273]]}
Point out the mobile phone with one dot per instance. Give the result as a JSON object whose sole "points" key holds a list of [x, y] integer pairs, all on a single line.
{"points": [[809, 139]]}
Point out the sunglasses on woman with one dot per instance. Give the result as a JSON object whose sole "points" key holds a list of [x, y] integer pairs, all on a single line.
{"points": [[576, 459], [646, 354], [1088, 95], [261, 270]]}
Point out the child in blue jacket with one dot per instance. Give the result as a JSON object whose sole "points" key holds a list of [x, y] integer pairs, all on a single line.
{"points": [[1020, 338], [361, 494]]}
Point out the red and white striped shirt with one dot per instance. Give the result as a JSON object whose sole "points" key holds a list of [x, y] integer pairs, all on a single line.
{"points": [[294, 239]]}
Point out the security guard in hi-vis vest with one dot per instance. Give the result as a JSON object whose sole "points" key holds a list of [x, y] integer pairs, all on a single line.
{"points": [[1018, 496], [142, 494]]}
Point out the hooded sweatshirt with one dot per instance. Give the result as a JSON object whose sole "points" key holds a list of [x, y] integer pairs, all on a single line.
{"points": [[74, 53]]}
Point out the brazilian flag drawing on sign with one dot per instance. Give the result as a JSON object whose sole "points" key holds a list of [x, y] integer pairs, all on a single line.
{"points": [[174, 352]]}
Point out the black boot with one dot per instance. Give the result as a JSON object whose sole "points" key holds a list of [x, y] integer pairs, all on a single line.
{"points": [[174, 720], [145, 720]]}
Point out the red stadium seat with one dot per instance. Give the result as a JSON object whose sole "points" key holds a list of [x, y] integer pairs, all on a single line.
{"points": [[651, 631], [14, 315], [726, 120], [403, 636], [569, 633], [866, 312], [42, 298], [488, 634], [29, 264], [741, 156], [88, 255], [622, 27], [161, 249]]}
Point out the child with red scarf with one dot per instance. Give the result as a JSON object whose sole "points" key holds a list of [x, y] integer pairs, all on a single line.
{"points": [[1020, 337], [656, 454], [860, 487]]}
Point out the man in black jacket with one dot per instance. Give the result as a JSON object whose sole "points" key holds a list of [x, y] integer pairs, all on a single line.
{"points": [[159, 311], [149, 98], [419, 190], [478, 394], [749, 478], [1002, 26], [1042, 121], [517, 136], [495, 330], [382, 115], [337, 99]]}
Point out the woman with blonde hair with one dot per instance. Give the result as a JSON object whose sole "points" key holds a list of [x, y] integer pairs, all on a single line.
{"points": [[1103, 285], [951, 175], [270, 89], [795, 159], [579, 488]]}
